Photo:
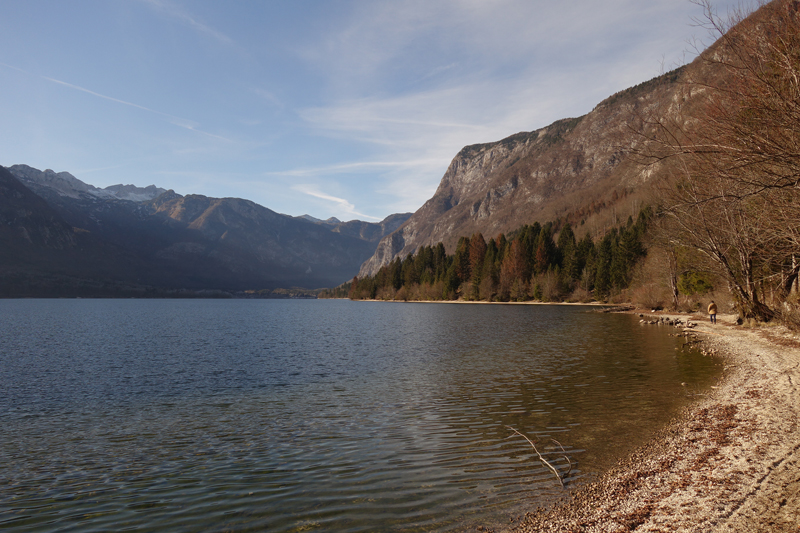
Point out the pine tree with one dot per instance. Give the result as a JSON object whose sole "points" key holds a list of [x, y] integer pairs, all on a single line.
{"points": [[410, 276], [566, 245], [396, 273], [461, 260], [451, 283], [423, 264], [605, 255], [440, 262], [583, 252], [545, 250], [477, 253]]}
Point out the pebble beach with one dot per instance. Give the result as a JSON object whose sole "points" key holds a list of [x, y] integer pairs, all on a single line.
{"points": [[729, 463]]}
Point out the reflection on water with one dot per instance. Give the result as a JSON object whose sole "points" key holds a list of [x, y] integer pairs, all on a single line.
{"points": [[316, 415]]}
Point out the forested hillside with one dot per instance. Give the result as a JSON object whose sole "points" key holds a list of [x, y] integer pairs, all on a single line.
{"points": [[532, 263]]}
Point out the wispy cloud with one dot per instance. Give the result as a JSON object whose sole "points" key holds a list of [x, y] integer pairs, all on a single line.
{"points": [[341, 203], [183, 122], [196, 129], [172, 119], [345, 168], [186, 18], [269, 97], [436, 71], [403, 184]]}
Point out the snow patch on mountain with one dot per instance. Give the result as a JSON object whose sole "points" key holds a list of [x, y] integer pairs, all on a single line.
{"points": [[65, 184]]}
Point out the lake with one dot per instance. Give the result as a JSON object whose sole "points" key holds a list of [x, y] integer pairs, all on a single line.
{"points": [[318, 415]]}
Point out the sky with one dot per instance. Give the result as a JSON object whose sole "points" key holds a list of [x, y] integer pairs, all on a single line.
{"points": [[335, 108]]}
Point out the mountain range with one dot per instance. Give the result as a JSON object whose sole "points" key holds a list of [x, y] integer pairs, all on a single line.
{"points": [[63, 236]]}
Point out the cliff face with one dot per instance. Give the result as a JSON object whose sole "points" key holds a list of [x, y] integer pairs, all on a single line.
{"points": [[577, 170]]}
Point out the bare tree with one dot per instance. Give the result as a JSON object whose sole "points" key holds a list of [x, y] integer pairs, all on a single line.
{"points": [[713, 218], [732, 144]]}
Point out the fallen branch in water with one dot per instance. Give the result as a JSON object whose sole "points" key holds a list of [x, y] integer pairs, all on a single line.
{"points": [[545, 461], [565, 458]]}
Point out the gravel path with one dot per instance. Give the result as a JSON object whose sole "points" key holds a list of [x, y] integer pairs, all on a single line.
{"points": [[731, 463]]}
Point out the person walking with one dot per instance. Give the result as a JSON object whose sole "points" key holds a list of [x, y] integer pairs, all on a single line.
{"points": [[712, 312]]}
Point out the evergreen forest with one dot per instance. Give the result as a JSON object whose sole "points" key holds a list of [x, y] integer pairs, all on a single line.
{"points": [[531, 263]]}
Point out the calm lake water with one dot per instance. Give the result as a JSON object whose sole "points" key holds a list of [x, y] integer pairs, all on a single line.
{"points": [[304, 415]]}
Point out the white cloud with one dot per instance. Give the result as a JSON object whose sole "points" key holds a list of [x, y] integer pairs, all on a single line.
{"points": [[175, 120], [342, 204], [346, 168], [184, 123], [394, 186], [269, 97], [386, 45], [176, 12]]}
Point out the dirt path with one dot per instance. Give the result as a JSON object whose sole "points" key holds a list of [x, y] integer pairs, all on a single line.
{"points": [[731, 464]]}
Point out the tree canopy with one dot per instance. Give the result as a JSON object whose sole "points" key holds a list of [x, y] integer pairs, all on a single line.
{"points": [[528, 264]]}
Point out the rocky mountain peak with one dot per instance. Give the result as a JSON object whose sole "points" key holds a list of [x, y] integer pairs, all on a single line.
{"points": [[332, 221], [134, 193], [26, 218], [65, 184]]}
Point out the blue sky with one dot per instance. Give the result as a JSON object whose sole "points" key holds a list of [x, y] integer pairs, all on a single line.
{"points": [[352, 109]]}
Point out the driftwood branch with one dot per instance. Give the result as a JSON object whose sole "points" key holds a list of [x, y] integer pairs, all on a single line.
{"points": [[545, 461], [565, 458]]}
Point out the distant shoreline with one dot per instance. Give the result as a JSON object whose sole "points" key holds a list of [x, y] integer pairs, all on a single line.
{"points": [[528, 302], [728, 463]]}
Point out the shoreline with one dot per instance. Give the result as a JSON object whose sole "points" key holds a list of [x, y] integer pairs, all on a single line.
{"points": [[623, 307], [730, 462]]}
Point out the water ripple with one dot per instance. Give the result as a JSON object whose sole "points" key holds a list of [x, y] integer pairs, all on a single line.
{"points": [[294, 416]]}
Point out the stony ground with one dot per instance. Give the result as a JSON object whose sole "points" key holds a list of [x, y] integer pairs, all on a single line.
{"points": [[730, 464]]}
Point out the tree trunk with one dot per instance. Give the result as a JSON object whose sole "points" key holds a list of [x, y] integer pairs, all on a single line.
{"points": [[672, 262]]}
